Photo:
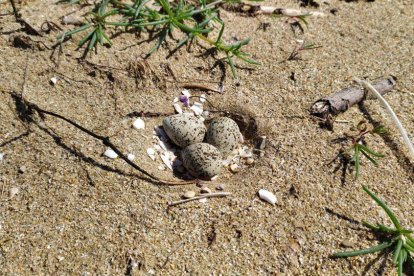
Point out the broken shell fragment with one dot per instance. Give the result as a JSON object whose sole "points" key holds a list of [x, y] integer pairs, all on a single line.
{"points": [[110, 154], [189, 194], [234, 168], [151, 153], [130, 157], [138, 124], [267, 196], [184, 129], [202, 160], [178, 108], [223, 133]]}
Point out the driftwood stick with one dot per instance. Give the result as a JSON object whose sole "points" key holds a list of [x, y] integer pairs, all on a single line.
{"points": [[342, 100], [198, 197]]}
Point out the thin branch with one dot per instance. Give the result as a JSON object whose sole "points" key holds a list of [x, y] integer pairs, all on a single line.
{"points": [[198, 197]]}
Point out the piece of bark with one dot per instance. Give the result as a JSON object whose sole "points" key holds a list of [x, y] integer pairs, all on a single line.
{"points": [[342, 100]]}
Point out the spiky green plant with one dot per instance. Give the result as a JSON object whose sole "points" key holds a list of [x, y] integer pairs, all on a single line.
{"points": [[397, 237], [196, 22]]}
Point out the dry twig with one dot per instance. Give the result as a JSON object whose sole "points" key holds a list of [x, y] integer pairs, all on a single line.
{"points": [[198, 197]]}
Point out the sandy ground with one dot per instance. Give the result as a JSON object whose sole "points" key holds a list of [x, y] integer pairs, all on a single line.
{"points": [[80, 213]]}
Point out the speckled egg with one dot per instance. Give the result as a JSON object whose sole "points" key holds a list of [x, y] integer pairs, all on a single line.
{"points": [[202, 160], [184, 129], [223, 133]]}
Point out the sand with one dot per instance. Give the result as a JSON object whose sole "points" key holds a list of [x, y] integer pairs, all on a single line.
{"points": [[80, 213]]}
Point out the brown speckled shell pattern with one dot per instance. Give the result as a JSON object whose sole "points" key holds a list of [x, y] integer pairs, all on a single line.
{"points": [[184, 129], [223, 133], [202, 160]]}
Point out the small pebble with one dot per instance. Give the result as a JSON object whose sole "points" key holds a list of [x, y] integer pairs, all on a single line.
{"points": [[220, 187], [22, 169], [138, 124], [203, 200], [249, 161], [205, 190], [1, 156], [53, 80], [347, 243], [130, 157], [13, 192], [189, 194], [234, 168], [267, 196], [110, 154]]}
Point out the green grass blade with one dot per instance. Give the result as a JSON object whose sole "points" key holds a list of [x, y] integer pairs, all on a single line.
{"points": [[384, 207], [400, 265], [370, 151], [86, 38], [92, 42], [373, 161], [397, 251], [232, 67], [80, 29], [409, 247], [372, 249], [356, 159]]}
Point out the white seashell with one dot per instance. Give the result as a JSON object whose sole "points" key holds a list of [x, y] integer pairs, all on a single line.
{"points": [[234, 168], [53, 80], [151, 153], [157, 147], [185, 92], [161, 167], [130, 157], [189, 194], [203, 98], [245, 152], [197, 109], [13, 192], [176, 100], [138, 124], [267, 196], [163, 145], [198, 104], [110, 154], [178, 108], [165, 158]]}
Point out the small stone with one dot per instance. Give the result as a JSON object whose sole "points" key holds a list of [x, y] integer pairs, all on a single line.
{"points": [[1, 156], [13, 192], [138, 124], [178, 108], [220, 187], [347, 243], [249, 161], [205, 190], [189, 194], [234, 168], [53, 80], [130, 157], [261, 142], [110, 154], [22, 169], [203, 200]]}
